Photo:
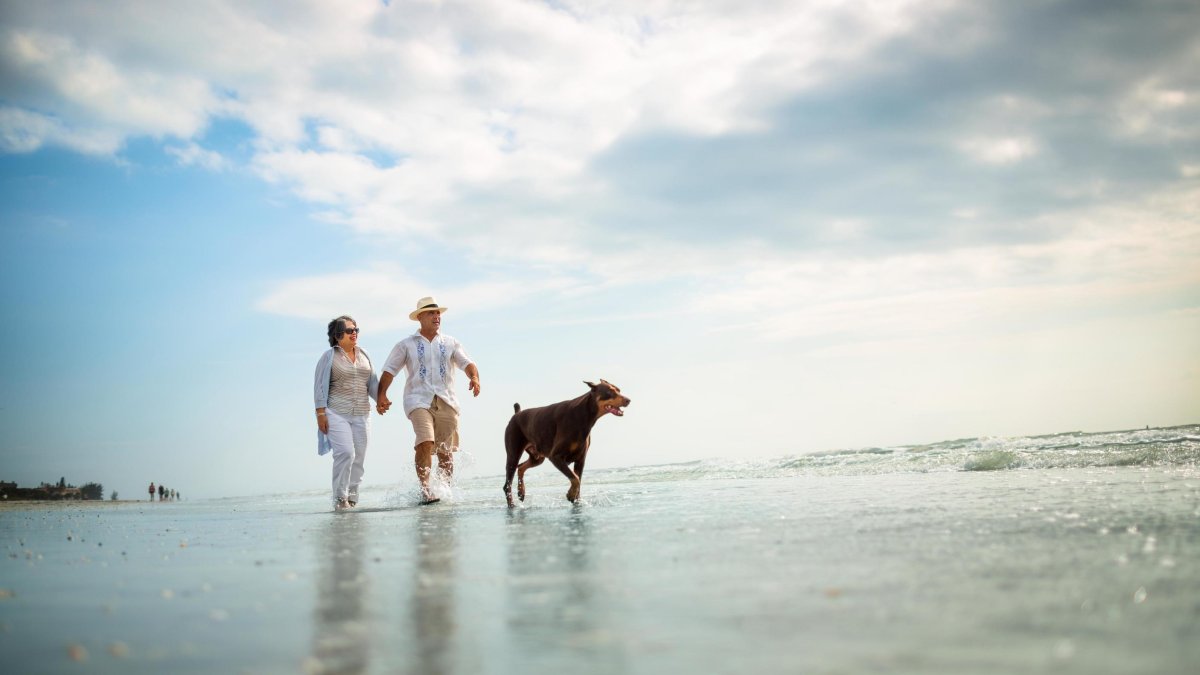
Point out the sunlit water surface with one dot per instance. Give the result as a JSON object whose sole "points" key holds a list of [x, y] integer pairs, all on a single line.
{"points": [[687, 568]]}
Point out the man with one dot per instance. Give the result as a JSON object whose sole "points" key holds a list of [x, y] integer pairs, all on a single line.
{"points": [[429, 400]]}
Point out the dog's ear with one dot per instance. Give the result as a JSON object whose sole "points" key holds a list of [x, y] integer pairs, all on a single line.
{"points": [[589, 384]]}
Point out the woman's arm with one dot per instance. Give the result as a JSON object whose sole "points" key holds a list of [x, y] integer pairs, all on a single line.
{"points": [[321, 389]]}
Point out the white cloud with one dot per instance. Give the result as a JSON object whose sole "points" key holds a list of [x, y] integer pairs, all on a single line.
{"points": [[376, 298], [488, 94], [390, 118], [1115, 257], [323, 177], [194, 155], [90, 103], [1152, 109], [1009, 150], [24, 131], [382, 296]]}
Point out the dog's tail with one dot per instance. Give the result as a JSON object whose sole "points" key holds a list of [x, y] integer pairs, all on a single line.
{"points": [[516, 408]]}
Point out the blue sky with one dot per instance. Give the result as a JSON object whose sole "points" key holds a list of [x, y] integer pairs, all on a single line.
{"points": [[780, 227]]}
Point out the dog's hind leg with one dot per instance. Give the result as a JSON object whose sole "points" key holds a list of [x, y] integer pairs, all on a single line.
{"points": [[514, 445], [534, 460], [510, 467]]}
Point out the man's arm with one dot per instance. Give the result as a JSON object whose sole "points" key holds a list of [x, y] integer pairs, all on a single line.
{"points": [[473, 373], [395, 361], [381, 400], [460, 359]]}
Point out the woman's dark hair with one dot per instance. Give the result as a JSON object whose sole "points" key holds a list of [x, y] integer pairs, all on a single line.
{"points": [[337, 328]]}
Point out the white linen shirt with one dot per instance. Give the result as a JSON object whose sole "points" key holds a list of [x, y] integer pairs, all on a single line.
{"points": [[430, 366]]}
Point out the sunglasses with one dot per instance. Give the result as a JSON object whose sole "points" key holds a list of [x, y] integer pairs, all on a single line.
{"points": [[349, 330]]}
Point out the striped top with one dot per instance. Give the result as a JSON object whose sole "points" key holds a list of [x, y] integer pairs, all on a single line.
{"points": [[348, 384]]}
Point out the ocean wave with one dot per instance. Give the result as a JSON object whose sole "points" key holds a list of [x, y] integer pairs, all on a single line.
{"points": [[1153, 447], [993, 461]]}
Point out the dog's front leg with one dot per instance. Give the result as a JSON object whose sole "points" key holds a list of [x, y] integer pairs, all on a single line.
{"points": [[577, 485], [579, 471], [573, 491]]}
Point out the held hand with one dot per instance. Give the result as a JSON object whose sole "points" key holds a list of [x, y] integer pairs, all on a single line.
{"points": [[382, 404], [474, 386]]}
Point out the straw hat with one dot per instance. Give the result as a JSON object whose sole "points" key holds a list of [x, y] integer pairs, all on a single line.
{"points": [[426, 304]]}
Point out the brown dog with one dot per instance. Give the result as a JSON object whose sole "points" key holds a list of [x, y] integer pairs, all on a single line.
{"points": [[560, 432]]}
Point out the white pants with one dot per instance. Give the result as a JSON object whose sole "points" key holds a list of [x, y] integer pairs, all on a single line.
{"points": [[348, 437]]}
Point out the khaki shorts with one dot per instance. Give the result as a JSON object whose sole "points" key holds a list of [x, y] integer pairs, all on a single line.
{"points": [[437, 423]]}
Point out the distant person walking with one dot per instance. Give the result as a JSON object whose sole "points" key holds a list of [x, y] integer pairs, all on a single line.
{"points": [[429, 400], [151, 490], [162, 493], [343, 383]]}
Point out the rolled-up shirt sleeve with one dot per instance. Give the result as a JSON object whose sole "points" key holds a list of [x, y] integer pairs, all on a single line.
{"points": [[459, 357], [395, 360]]}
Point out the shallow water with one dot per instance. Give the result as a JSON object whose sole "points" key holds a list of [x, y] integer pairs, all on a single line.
{"points": [[1077, 570]]}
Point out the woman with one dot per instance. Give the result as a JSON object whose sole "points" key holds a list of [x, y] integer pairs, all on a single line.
{"points": [[344, 381]]}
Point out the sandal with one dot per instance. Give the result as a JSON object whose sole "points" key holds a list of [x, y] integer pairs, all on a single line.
{"points": [[341, 505]]}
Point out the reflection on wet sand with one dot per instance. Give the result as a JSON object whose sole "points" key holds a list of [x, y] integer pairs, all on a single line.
{"points": [[341, 643], [434, 577], [557, 607]]}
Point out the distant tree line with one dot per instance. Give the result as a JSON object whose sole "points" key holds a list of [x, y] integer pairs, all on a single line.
{"points": [[52, 491]]}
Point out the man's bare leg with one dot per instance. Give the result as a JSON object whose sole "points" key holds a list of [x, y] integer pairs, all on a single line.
{"points": [[446, 466], [424, 464]]}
